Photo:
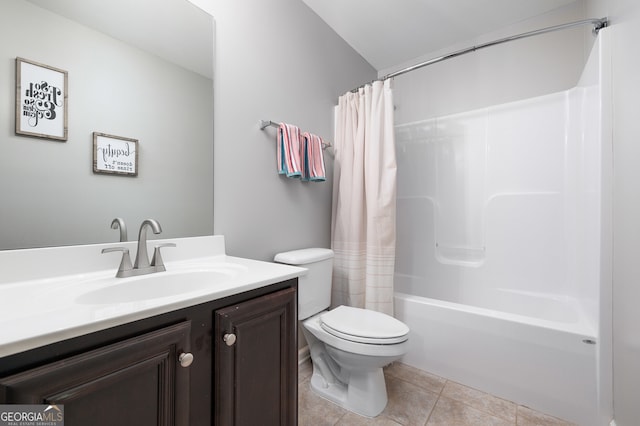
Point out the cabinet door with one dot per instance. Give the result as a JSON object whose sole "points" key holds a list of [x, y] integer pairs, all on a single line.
{"points": [[256, 375], [138, 381]]}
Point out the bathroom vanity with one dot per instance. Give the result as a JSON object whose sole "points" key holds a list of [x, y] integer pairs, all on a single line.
{"points": [[223, 355]]}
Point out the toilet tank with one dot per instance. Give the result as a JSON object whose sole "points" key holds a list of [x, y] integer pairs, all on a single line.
{"points": [[314, 287]]}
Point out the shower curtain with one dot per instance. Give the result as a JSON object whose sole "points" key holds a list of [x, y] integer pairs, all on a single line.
{"points": [[363, 226]]}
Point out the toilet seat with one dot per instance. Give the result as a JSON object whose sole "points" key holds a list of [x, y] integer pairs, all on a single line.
{"points": [[364, 326]]}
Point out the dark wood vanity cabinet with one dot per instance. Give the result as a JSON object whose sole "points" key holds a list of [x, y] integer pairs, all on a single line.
{"points": [[255, 361], [138, 381], [132, 374]]}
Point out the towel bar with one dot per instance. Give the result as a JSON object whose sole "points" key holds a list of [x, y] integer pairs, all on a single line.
{"points": [[268, 123]]}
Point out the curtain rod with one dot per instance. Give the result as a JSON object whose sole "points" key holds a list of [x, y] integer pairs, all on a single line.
{"points": [[598, 24]]}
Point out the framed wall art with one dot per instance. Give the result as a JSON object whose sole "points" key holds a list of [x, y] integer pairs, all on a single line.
{"points": [[41, 100], [115, 155]]}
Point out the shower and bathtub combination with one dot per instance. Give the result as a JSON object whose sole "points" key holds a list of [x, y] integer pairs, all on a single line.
{"points": [[503, 248]]}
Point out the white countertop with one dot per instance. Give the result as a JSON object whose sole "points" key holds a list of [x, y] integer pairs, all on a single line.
{"points": [[41, 290]]}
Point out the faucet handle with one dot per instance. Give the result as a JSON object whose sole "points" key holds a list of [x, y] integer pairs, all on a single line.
{"points": [[156, 261], [125, 263]]}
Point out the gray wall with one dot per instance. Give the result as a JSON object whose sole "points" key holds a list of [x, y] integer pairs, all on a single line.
{"points": [[277, 61], [625, 63], [49, 193]]}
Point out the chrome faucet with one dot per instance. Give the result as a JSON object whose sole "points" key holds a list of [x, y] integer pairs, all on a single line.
{"points": [[141, 265]]}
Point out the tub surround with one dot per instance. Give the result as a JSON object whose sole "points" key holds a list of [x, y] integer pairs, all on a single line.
{"points": [[45, 293], [499, 259]]}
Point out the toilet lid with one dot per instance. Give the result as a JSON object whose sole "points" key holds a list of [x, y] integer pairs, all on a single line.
{"points": [[364, 326]]}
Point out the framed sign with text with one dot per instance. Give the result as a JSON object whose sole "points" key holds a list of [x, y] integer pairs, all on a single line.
{"points": [[115, 155], [41, 100]]}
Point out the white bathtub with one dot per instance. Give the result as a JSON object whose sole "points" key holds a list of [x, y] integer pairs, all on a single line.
{"points": [[537, 357]]}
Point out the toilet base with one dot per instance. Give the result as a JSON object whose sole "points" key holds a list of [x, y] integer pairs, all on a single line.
{"points": [[347, 373], [365, 394]]}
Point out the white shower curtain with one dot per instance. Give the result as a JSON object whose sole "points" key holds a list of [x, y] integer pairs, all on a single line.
{"points": [[363, 228]]}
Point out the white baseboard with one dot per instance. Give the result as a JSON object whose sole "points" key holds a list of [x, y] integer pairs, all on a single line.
{"points": [[303, 356]]}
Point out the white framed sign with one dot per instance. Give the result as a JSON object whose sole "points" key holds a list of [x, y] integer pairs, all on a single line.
{"points": [[115, 155], [41, 100]]}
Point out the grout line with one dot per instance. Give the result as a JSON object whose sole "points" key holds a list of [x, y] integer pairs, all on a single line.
{"points": [[432, 410], [436, 403], [465, 403], [340, 418]]}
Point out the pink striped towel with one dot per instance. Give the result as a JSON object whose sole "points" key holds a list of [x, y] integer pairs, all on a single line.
{"points": [[312, 158], [288, 147]]}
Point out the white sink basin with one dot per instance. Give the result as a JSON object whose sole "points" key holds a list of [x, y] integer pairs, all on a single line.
{"points": [[74, 290], [156, 285]]}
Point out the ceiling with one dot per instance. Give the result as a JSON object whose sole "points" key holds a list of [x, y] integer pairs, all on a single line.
{"points": [[164, 31], [389, 33]]}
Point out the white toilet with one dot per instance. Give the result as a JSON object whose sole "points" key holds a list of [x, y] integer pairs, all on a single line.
{"points": [[349, 346]]}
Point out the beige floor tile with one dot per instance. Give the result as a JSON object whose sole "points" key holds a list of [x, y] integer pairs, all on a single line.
{"points": [[413, 375], [351, 419], [304, 370], [529, 417], [408, 404], [481, 400], [449, 412], [314, 410], [416, 397]]}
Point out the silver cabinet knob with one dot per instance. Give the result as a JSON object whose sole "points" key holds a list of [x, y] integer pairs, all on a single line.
{"points": [[185, 359], [229, 339]]}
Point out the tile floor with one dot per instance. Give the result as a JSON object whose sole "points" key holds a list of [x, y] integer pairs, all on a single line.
{"points": [[423, 399]]}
